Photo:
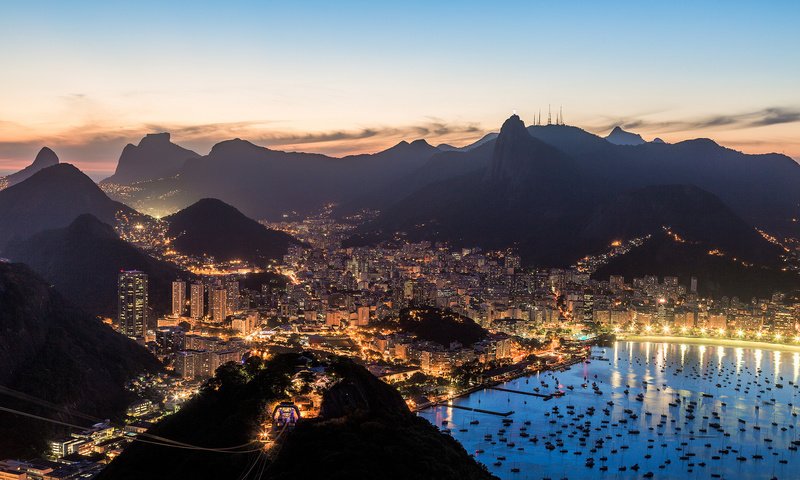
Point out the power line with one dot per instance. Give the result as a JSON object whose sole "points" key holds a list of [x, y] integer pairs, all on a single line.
{"points": [[160, 440]]}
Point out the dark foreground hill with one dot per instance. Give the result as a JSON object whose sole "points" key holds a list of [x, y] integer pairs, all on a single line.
{"points": [[54, 351], [83, 260], [364, 431], [212, 227], [53, 198]]}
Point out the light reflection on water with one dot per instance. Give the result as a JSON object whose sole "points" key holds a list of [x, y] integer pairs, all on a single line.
{"points": [[672, 371]]}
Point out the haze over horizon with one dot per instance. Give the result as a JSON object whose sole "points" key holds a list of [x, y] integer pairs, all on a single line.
{"points": [[356, 77]]}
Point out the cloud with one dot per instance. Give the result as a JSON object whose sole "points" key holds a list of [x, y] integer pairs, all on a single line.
{"points": [[758, 118], [93, 147]]}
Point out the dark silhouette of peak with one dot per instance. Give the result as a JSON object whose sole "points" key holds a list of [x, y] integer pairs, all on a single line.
{"points": [[519, 158], [235, 146], [53, 198], [618, 136], [155, 139], [82, 261], [212, 227], [658, 140], [45, 158], [88, 224], [153, 158], [50, 349]]}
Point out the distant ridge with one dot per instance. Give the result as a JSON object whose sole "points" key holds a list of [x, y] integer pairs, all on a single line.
{"points": [[153, 158], [618, 136], [45, 158]]}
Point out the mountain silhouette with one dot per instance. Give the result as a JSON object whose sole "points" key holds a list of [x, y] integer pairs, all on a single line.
{"points": [[212, 227], [554, 208], [53, 198], [618, 136], [55, 351], [266, 183], [82, 262], [155, 157], [45, 158]]}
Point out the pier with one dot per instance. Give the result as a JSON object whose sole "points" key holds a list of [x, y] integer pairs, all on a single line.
{"points": [[532, 394], [477, 410]]}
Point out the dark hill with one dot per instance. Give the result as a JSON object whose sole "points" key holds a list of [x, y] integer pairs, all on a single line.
{"points": [[54, 351], [53, 198], [440, 326], [716, 275], [82, 261], [45, 158], [365, 430], [692, 213], [155, 157], [212, 227]]}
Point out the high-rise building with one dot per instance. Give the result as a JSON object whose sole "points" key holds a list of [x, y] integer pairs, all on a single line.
{"points": [[178, 298], [232, 288], [132, 303], [693, 285], [196, 301], [218, 303]]}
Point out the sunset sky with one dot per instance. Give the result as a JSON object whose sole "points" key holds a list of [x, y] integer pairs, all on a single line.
{"points": [[87, 77]]}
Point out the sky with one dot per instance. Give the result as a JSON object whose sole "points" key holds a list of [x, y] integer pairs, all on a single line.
{"points": [[88, 77]]}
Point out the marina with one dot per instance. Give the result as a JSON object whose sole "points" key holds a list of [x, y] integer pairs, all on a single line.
{"points": [[639, 410]]}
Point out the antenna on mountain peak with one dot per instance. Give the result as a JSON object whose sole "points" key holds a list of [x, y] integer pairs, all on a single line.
{"points": [[561, 114], [549, 115], [514, 111]]}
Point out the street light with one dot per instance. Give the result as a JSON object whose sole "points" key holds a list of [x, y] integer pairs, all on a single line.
{"points": [[740, 333]]}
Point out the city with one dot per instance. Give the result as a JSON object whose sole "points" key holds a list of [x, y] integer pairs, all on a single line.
{"points": [[443, 240]]}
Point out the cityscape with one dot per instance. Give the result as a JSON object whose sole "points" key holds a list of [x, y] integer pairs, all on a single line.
{"points": [[485, 294]]}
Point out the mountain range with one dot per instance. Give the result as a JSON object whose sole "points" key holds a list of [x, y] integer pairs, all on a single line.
{"points": [[557, 193]]}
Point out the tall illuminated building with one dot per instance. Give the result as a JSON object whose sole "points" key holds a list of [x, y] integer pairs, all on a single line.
{"points": [[232, 287], [218, 303], [196, 300], [132, 303], [178, 298]]}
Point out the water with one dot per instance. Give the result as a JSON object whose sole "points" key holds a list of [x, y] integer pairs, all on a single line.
{"points": [[741, 382]]}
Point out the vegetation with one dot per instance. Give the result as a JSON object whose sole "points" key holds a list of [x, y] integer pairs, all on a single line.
{"points": [[364, 427], [49, 349], [440, 326]]}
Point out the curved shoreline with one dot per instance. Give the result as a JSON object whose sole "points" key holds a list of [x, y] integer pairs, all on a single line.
{"points": [[723, 342]]}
